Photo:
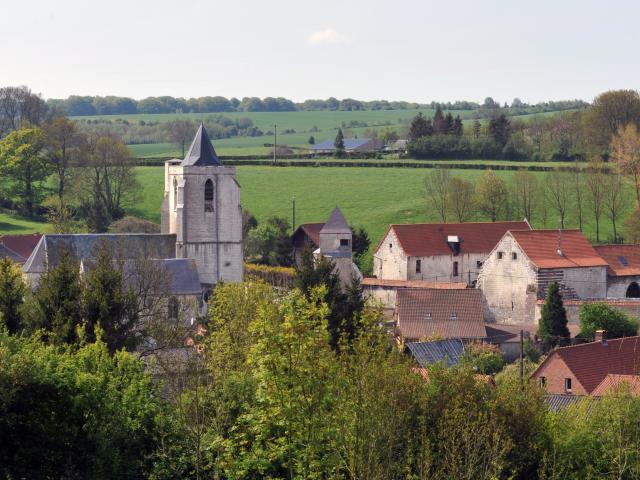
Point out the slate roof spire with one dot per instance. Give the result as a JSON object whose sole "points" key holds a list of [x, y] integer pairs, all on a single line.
{"points": [[201, 152], [336, 223]]}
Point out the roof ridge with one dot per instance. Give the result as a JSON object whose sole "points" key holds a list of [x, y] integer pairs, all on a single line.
{"points": [[609, 340], [457, 223]]}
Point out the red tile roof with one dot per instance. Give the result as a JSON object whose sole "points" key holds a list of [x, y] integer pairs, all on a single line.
{"points": [[422, 313], [592, 362], [613, 382], [311, 230], [22, 245], [623, 260], [427, 239], [379, 282], [541, 246]]}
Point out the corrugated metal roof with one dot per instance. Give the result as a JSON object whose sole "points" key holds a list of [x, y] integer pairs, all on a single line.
{"points": [[559, 402], [349, 144], [201, 152], [428, 239], [428, 353]]}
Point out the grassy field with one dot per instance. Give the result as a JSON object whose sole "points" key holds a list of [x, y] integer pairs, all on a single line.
{"points": [[370, 197], [11, 224]]}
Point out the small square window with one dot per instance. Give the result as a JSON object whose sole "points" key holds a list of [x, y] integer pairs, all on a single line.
{"points": [[500, 254], [390, 246], [479, 264], [344, 242], [514, 256], [567, 385]]}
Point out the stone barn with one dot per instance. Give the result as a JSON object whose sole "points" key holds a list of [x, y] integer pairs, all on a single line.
{"points": [[438, 252], [623, 274], [523, 264]]}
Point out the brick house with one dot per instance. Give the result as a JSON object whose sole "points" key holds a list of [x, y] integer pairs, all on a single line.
{"points": [[623, 274], [438, 252], [440, 313], [581, 369], [523, 264]]}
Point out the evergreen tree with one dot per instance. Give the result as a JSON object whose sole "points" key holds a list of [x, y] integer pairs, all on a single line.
{"points": [[499, 129], [12, 290], [312, 140], [57, 302], [339, 143], [477, 128], [360, 243], [109, 304], [553, 318], [439, 122], [449, 121], [420, 127], [457, 129]]}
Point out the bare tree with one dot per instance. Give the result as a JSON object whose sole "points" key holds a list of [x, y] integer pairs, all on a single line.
{"points": [[180, 132], [460, 199], [595, 182], [578, 183], [65, 145], [614, 201], [19, 105], [436, 187], [525, 193], [558, 192]]}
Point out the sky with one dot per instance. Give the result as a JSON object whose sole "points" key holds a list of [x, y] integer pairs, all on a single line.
{"points": [[414, 50]]}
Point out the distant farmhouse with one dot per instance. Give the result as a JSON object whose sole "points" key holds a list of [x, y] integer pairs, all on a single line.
{"points": [[438, 252], [351, 145]]}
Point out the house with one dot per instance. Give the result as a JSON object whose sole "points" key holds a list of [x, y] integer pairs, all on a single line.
{"points": [[623, 274], [581, 369], [439, 314], [306, 237], [201, 222], [614, 382], [438, 252], [351, 145], [523, 264], [18, 248]]}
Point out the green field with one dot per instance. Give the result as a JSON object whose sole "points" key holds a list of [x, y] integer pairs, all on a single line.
{"points": [[370, 197]]}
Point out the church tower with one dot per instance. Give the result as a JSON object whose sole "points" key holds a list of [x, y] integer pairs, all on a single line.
{"points": [[336, 244], [202, 207]]}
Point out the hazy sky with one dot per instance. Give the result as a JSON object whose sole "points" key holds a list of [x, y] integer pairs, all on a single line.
{"points": [[415, 50]]}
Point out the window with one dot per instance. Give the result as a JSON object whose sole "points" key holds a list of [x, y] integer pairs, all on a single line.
{"points": [[478, 264], [418, 266], [514, 256], [173, 308], [543, 382], [344, 242], [500, 255], [175, 193], [567, 385], [208, 196], [427, 316], [390, 246], [633, 291], [455, 269]]}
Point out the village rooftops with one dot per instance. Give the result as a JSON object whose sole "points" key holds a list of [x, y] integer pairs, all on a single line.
{"points": [[201, 152], [18, 247], [590, 363], [430, 239], [309, 230], [614, 382], [425, 313], [623, 260], [558, 248]]}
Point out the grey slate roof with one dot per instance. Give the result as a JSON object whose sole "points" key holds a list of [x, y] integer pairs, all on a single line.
{"points": [[428, 353], [84, 246], [336, 223], [6, 252], [201, 152], [349, 144]]}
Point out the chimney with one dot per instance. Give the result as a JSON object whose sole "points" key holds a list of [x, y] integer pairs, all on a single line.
{"points": [[601, 336]]}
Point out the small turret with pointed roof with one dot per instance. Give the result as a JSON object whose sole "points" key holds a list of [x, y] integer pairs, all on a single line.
{"points": [[201, 152], [336, 244], [336, 223]]}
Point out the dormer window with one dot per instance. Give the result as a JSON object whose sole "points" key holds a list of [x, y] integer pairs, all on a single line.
{"points": [[427, 316], [208, 196]]}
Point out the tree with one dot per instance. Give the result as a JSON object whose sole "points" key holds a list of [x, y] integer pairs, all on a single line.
{"points": [[499, 129], [595, 182], [360, 244], [485, 359], [339, 143], [180, 132], [558, 192], [614, 201], [420, 127], [64, 146], [12, 291], [553, 317], [525, 194], [109, 304], [270, 243], [312, 140], [579, 194], [632, 227], [491, 195], [477, 129], [457, 128], [600, 316], [460, 199], [608, 113], [57, 302], [23, 162], [440, 126], [130, 224], [625, 151], [20, 107], [436, 191]]}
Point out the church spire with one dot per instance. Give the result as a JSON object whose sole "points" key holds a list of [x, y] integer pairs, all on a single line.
{"points": [[201, 152]]}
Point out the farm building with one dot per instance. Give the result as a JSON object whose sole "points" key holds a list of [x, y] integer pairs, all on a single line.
{"points": [[351, 145], [523, 264], [591, 368], [306, 237], [623, 274], [448, 351], [438, 252]]}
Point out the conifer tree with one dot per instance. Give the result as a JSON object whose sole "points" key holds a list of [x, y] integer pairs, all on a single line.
{"points": [[339, 143], [449, 122], [553, 318], [12, 291], [457, 129], [420, 127], [439, 122]]}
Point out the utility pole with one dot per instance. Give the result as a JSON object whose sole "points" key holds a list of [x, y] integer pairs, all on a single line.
{"points": [[293, 213], [522, 359], [275, 142]]}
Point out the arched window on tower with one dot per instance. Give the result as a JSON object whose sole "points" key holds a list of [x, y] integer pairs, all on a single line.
{"points": [[208, 196], [175, 193]]}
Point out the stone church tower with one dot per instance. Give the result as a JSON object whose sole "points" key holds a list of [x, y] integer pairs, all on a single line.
{"points": [[202, 207]]}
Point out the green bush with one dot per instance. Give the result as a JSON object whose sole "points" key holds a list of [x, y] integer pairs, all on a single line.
{"points": [[600, 316]]}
